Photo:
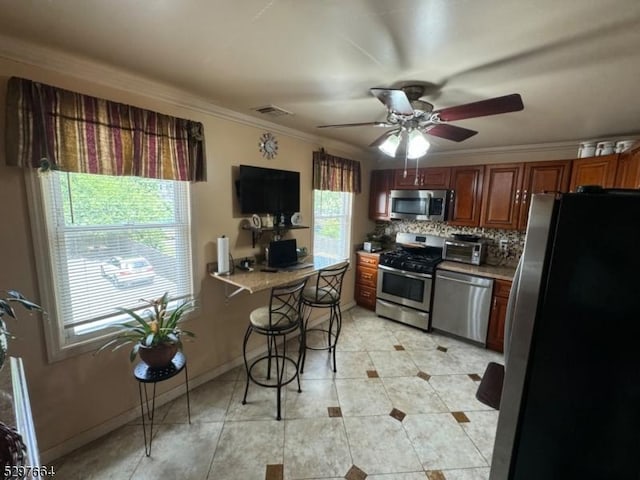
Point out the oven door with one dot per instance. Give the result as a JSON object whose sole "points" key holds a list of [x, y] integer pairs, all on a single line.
{"points": [[405, 288]]}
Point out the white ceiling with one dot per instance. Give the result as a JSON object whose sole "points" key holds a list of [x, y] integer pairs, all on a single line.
{"points": [[576, 63]]}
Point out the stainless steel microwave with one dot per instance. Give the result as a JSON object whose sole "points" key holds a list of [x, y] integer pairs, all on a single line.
{"points": [[419, 204], [474, 253]]}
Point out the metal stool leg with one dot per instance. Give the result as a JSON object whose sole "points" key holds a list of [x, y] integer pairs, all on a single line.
{"points": [[246, 364], [335, 310]]}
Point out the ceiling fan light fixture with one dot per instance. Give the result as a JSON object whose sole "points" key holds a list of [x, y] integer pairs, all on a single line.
{"points": [[417, 144], [390, 145]]}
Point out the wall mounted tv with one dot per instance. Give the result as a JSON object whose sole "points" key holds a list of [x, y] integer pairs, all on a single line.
{"points": [[267, 190]]}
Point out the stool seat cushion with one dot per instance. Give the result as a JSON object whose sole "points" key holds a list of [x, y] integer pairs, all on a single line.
{"points": [[280, 320], [320, 295]]}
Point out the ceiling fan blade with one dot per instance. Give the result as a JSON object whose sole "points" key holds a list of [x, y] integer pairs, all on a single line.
{"points": [[493, 106], [450, 132], [363, 124], [394, 99], [380, 140]]}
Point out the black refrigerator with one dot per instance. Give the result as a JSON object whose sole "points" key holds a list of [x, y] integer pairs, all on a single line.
{"points": [[570, 406]]}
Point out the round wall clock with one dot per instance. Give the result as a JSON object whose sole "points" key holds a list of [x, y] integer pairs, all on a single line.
{"points": [[268, 145]]}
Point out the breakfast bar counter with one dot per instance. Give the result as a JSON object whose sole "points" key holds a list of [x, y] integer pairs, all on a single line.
{"points": [[258, 280]]}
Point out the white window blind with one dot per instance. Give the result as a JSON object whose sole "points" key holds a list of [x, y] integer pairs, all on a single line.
{"points": [[112, 241], [332, 223]]}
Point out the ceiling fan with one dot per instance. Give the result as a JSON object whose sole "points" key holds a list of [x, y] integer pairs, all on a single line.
{"points": [[408, 115]]}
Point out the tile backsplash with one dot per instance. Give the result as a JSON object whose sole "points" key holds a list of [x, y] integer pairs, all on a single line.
{"points": [[515, 239]]}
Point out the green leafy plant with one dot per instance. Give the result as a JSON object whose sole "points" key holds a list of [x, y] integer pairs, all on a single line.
{"points": [[6, 307], [154, 326], [7, 301]]}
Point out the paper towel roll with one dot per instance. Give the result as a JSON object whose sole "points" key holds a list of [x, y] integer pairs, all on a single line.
{"points": [[223, 255]]}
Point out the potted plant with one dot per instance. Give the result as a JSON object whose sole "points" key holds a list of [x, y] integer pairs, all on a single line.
{"points": [[6, 308], [154, 332]]}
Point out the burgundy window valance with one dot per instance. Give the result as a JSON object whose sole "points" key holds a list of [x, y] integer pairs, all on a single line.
{"points": [[335, 173], [51, 128]]}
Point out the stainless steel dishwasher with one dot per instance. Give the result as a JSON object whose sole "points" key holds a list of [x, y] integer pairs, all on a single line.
{"points": [[461, 305]]}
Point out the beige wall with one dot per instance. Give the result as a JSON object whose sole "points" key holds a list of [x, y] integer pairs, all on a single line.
{"points": [[75, 397]]}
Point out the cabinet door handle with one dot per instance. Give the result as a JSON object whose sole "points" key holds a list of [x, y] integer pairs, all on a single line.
{"points": [[524, 197], [517, 196]]}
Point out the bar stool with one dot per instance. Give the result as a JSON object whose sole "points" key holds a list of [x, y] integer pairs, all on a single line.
{"points": [[324, 292], [276, 321]]}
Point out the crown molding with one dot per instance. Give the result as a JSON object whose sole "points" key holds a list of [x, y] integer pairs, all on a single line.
{"points": [[532, 148], [102, 74], [499, 150]]}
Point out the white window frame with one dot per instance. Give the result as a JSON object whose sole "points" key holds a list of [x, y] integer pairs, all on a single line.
{"points": [[346, 222], [58, 347]]}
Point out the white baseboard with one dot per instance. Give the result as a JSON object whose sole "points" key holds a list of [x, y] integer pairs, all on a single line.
{"points": [[83, 438]]}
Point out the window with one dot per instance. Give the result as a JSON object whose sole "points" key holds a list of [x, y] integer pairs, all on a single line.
{"points": [[106, 242], [332, 223]]}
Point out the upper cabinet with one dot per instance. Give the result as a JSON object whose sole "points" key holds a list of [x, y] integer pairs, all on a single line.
{"points": [[410, 181], [381, 185], [594, 171], [628, 173], [542, 177], [466, 186], [501, 195], [433, 178], [508, 189]]}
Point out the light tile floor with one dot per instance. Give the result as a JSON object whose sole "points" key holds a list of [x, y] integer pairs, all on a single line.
{"points": [[401, 407]]}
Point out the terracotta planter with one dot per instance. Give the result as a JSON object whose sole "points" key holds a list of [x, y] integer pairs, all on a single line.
{"points": [[158, 356]]}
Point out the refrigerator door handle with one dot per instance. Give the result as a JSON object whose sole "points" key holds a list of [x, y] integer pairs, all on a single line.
{"points": [[511, 305]]}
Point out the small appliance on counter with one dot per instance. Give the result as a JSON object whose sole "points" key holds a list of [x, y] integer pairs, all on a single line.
{"points": [[463, 248], [372, 247]]}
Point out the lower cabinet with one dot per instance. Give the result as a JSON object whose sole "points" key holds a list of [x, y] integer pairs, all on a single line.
{"points": [[495, 334], [366, 279]]}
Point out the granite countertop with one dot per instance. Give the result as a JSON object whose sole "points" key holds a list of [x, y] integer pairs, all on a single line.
{"points": [[258, 280], [371, 253], [501, 273]]}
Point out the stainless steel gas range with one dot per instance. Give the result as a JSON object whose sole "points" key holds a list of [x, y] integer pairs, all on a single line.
{"points": [[405, 277]]}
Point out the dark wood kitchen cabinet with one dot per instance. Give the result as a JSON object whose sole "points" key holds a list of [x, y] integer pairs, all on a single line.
{"points": [[501, 195], [508, 189], [366, 279], [495, 334], [594, 171], [541, 177], [432, 178], [380, 186], [628, 172], [466, 186]]}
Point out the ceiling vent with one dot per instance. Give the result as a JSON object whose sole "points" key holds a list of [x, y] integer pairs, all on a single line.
{"points": [[272, 111]]}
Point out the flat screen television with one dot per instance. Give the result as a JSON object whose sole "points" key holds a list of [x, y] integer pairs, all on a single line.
{"points": [[267, 190]]}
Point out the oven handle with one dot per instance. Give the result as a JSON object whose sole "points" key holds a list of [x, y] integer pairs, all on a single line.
{"points": [[417, 276]]}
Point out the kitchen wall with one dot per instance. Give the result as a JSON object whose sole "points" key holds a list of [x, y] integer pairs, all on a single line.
{"points": [[77, 399]]}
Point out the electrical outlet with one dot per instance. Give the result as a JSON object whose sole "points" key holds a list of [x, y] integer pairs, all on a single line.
{"points": [[504, 245]]}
